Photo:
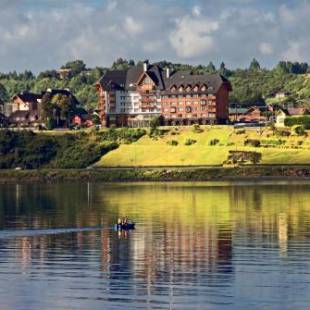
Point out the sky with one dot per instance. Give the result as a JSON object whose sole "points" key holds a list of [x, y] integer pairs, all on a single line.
{"points": [[39, 35]]}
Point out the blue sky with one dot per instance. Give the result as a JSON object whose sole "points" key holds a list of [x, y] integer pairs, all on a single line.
{"points": [[44, 34]]}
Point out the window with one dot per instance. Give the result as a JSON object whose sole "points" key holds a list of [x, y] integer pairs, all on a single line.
{"points": [[173, 109], [196, 88], [181, 88], [203, 88], [173, 88], [188, 109], [188, 88], [203, 102]]}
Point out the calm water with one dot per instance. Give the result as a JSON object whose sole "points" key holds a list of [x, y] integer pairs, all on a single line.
{"points": [[202, 246]]}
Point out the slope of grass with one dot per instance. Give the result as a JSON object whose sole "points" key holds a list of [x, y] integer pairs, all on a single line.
{"points": [[157, 152]]}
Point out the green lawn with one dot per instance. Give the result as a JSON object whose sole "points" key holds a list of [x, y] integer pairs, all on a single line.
{"points": [[156, 152]]}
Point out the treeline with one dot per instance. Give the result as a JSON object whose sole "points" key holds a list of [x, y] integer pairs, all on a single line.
{"points": [[251, 86]]}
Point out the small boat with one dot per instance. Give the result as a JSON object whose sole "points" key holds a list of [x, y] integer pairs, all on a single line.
{"points": [[125, 226]]}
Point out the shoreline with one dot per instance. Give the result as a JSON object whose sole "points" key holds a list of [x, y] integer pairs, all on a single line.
{"points": [[159, 174]]}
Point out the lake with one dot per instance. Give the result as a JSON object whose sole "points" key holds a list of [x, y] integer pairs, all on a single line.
{"points": [[195, 246]]}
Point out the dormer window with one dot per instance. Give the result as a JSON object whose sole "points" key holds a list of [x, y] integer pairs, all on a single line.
{"points": [[196, 88], [203, 87], [181, 88], [188, 88], [173, 88]]}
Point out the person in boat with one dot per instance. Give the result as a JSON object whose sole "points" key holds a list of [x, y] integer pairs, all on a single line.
{"points": [[119, 221]]}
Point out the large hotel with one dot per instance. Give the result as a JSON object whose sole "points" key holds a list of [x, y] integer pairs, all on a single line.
{"points": [[133, 97]]}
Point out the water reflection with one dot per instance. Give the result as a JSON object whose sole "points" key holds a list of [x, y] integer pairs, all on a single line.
{"points": [[195, 246]]}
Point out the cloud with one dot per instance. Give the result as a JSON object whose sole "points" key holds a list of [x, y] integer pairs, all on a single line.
{"points": [[265, 48], [193, 36], [132, 27], [46, 35]]}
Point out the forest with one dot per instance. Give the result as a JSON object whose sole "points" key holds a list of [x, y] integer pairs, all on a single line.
{"points": [[251, 86]]}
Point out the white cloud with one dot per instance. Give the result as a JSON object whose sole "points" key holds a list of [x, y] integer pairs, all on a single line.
{"points": [[196, 10], [193, 37], [132, 26], [42, 37], [294, 52], [266, 48]]}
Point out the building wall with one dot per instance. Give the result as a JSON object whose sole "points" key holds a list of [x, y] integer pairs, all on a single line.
{"points": [[222, 104], [138, 107]]}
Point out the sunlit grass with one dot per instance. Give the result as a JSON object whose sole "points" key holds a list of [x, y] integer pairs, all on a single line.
{"points": [[156, 152]]}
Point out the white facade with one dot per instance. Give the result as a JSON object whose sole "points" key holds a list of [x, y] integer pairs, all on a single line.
{"points": [[128, 102]]}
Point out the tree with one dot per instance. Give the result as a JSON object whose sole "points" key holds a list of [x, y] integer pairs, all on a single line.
{"points": [[76, 66], [223, 71], [3, 93], [210, 67], [254, 66]]}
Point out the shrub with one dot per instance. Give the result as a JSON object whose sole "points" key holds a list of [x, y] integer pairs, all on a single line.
{"points": [[252, 142], [190, 141], [197, 128], [173, 142], [240, 132], [214, 142], [301, 120], [282, 133], [298, 130], [239, 157]]}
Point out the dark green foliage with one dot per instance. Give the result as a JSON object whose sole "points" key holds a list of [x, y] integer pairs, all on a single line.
{"points": [[25, 149], [190, 141], [214, 142], [81, 155], [299, 130], [29, 151], [77, 66], [282, 133], [254, 66], [241, 157], [301, 120], [154, 123], [173, 142], [250, 86], [252, 142], [197, 128], [122, 135]]}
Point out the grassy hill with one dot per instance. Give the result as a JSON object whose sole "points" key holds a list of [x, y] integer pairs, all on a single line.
{"points": [[158, 151]]}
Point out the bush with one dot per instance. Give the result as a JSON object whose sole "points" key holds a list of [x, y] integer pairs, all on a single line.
{"points": [[240, 132], [214, 142], [190, 141], [298, 130], [173, 142], [282, 133], [252, 142], [240, 157], [197, 128], [301, 120]]}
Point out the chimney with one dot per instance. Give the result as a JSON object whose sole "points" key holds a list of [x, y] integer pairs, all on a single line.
{"points": [[145, 65], [167, 73]]}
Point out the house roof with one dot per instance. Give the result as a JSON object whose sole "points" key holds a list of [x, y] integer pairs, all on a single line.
{"points": [[296, 111], [27, 97], [127, 79], [183, 78], [66, 92]]}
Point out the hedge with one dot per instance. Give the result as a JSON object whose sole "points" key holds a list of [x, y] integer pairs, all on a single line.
{"points": [[300, 120]]}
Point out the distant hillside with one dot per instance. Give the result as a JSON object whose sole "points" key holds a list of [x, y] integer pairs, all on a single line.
{"points": [[251, 86]]}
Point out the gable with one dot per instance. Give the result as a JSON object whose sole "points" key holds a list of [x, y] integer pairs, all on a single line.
{"points": [[145, 79]]}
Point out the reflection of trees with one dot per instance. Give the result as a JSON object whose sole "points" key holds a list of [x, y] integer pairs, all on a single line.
{"points": [[185, 234]]}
